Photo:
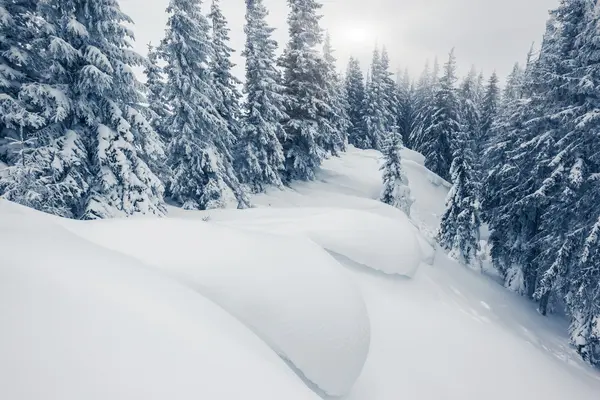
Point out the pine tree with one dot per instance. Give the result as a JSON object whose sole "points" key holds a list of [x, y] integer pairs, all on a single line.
{"points": [[439, 134], [261, 159], [489, 107], [88, 154], [304, 76], [20, 26], [459, 228], [199, 152], [389, 93], [375, 108], [396, 191], [226, 85], [544, 223], [355, 89], [335, 141], [158, 111], [406, 107]]}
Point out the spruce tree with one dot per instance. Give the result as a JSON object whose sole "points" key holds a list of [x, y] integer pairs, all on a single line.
{"points": [[336, 140], [459, 228], [444, 124], [406, 107], [226, 85], [389, 93], [396, 191], [261, 159], [199, 152], [460, 224], [304, 79], [375, 107], [489, 107], [88, 156], [158, 110], [355, 90]]}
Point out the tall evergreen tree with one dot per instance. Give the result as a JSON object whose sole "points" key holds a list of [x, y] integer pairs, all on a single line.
{"points": [[336, 140], [489, 109], [261, 159], [88, 157], [459, 228], [304, 79], [439, 134], [375, 107], [20, 27], [423, 107], [158, 110], [199, 152], [388, 93], [406, 107], [226, 85], [396, 191], [355, 90]]}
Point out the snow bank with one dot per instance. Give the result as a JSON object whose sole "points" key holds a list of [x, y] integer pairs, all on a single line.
{"points": [[383, 244], [81, 322], [288, 290]]}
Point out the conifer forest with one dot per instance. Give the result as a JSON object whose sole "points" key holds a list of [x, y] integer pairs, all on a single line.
{"points": [[92, 130]]}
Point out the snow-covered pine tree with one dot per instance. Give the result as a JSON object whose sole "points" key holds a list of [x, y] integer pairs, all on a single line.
{"points": [[569, 225], [489, 108], [88, 156], [406, 107], [375, 108], [439, 134], [199, 152], [459, 227], [260, 153], [355, 90], [389, 93], [422, 97], [226, 85], [396, 191], [20, 26], [337, 102], [304, 79], [158, 110]]}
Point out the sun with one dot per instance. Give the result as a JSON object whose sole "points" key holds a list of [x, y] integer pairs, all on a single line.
{"points": [[355, 33]]}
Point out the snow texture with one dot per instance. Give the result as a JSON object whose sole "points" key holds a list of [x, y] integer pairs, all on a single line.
{"points": [[82, 322], [287, 290]]}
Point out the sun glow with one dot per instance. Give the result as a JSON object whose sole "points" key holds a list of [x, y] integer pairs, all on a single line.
{"points": [[356, 33]]}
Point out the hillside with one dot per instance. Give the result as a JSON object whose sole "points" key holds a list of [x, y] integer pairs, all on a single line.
{"points": [[350, 293]]}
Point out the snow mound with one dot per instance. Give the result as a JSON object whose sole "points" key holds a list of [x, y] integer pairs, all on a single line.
{"points": [[287, 290], [82, 322], [380, 243]]}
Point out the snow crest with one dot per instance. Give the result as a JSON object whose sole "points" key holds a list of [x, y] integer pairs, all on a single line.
{"points": [[289, 291]]}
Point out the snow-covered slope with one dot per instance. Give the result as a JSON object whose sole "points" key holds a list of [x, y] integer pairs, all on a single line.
{"points": [[288, 290], [126, 300], [82, 322]]}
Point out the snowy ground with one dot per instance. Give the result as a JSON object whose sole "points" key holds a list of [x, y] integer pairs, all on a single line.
{"points": [[349, 292]]}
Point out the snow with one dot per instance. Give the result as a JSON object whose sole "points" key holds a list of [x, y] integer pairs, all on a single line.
{"points": [[131, 301], [368, 239], [287, 290], [82, 322]]}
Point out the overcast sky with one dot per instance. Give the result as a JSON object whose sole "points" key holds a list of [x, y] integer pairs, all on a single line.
{"points": [[490, 34]]}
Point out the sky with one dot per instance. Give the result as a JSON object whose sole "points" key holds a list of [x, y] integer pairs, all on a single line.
{"points": [[490, 34]]}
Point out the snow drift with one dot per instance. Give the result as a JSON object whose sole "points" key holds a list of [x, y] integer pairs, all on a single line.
{"points": [[288, 290], [381, 243], [81, 322]]}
